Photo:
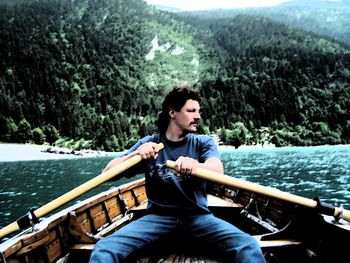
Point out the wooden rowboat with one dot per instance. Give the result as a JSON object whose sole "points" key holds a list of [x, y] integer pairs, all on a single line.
{"points": [[287, 230]]}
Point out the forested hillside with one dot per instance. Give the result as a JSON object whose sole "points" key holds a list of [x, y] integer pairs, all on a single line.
{"points": [[329, 18], [324, 17], [297, 83], [92, 74]]}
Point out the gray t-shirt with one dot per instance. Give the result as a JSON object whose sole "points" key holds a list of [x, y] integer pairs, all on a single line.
{"points": [[171, 194]]}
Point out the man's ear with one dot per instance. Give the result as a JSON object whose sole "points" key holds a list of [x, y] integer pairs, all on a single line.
{"points": [[171, 113]]}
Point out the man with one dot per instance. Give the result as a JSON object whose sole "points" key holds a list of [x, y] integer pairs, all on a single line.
{"points": [[177, 202]]}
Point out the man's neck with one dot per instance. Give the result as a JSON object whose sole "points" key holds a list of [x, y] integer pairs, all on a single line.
{"points": [[175, 135]]}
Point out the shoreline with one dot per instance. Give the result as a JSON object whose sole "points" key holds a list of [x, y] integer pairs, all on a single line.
{"points": [[247, 147], [13, 152], [268, 147]]}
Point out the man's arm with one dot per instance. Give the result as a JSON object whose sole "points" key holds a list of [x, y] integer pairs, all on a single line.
{"points": [[213, 164]]}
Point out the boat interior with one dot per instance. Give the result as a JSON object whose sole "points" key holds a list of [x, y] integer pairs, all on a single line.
{"points": [[285, 232]]}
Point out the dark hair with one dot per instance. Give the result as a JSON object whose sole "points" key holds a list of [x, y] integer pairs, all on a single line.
{"points": [[176, 99]]}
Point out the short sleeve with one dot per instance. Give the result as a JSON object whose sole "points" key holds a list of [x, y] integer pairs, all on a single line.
{"points": [[208, 148]]}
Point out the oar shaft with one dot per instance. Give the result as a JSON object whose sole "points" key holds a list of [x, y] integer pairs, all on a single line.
{"points": [[8, 229], [256, 188], [342, 213]]}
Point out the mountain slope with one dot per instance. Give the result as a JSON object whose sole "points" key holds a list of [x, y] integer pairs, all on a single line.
{"points": [[96, 71], [328, 18]]}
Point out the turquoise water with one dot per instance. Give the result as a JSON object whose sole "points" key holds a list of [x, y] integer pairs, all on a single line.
{"points": [[311, 172], [307, 171]]}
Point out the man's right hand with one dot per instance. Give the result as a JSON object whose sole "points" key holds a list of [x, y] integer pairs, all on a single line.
{"points": [[148, 150]]}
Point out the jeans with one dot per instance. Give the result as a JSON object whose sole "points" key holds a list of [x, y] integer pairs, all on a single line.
{"points": [[233, 244]]}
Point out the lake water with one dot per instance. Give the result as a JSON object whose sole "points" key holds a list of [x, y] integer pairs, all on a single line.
{"points": [[322, 172]]}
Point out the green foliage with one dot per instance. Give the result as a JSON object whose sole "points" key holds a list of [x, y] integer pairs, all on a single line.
{"points": [[51, 133], [236, 136], [78, 70], [82, 144], [38, 136], [317, 133], [66, 143], [7, 129], [112, 144], [24, 132]]}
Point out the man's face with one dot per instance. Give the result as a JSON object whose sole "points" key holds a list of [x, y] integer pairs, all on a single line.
{"points": [[188, 116]]}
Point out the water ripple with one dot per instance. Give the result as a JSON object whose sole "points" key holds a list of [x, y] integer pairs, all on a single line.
{"points": [[322, 172]]}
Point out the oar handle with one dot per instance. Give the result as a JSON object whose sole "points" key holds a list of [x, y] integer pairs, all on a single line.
{"points": [[256, 188], [74, 193]]}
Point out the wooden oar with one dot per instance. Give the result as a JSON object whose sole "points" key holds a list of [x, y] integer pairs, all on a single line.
{"points": [[74, 193], [264, 190]]}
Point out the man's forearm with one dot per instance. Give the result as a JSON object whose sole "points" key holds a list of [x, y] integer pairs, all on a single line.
{"points": [[213, 164]]}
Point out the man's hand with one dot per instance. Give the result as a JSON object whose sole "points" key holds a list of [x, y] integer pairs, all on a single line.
{"points": [[148, 150], [188, 166], [185, 166]]}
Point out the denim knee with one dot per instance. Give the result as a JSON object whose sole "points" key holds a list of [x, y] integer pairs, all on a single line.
{"points": [[105, 251]]}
